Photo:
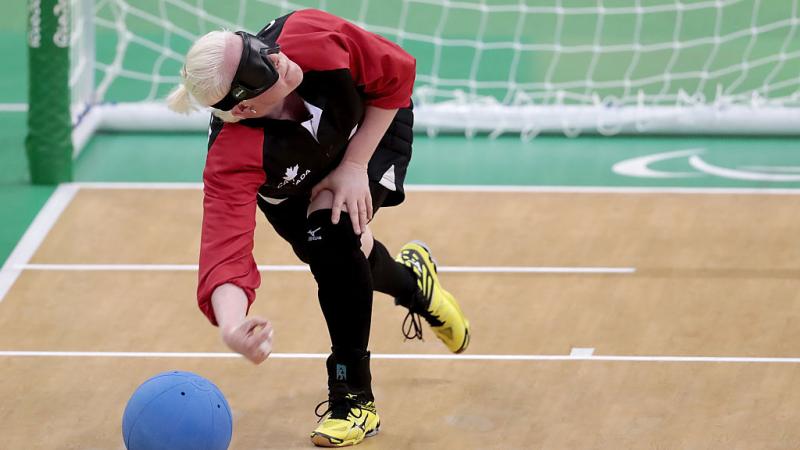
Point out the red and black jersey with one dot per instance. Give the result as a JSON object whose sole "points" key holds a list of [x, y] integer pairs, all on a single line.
{"points": [[344, 68]]}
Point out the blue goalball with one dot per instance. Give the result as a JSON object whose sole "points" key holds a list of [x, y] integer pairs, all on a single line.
{"points": [[177, 411]]}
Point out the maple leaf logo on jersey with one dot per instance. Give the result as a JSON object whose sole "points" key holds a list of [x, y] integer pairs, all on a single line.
{"points": [[293, 176], [291, 173]]}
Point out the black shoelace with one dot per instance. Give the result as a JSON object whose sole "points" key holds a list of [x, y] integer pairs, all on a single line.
{"points": [[339, 408], [417, 305], [412, 326]]}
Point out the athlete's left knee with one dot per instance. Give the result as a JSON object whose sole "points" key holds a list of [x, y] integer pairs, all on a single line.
{"points": [[323, 200], [367, 241]]}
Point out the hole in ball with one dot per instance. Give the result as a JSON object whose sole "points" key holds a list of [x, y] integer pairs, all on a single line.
{"points": [[183, 393]]}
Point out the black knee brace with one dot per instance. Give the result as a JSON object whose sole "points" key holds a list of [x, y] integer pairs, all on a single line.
{"points": [[322, 236]]}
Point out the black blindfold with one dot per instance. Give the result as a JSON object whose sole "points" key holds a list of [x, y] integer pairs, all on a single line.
{"points": [[254, 75]]}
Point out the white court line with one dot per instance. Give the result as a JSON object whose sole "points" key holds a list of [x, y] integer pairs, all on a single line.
{"points": [[497, 189], [403, 356], [34, 236], [304, 268], [13, 107]]}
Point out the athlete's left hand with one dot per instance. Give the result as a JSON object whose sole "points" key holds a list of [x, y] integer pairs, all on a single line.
{"points": [[350, 187]]}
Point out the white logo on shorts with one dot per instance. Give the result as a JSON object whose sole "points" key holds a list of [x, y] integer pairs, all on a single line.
{"points": [[312, 235]]}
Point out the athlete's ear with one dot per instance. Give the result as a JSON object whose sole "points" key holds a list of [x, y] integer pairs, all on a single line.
{"points": [[241, 111]]}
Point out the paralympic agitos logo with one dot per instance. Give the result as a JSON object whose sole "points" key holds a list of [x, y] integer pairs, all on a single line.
{"points": [[640, 167]]}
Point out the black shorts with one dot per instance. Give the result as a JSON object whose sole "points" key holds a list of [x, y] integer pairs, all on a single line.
{"points": [[386, 171], [389, 163]]}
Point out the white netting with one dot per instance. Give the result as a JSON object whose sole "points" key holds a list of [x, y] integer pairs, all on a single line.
{"points": [[82, 57], [524, 66]]}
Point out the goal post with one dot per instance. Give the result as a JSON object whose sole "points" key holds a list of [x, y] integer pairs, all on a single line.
{"points": [[48, 143], [483, 66]]}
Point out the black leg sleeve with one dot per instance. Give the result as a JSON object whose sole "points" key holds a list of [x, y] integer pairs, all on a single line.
{"points": [[388, 275], [344, 280]]}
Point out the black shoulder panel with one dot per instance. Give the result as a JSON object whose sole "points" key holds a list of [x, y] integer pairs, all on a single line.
{"points": [[269, 34], [213, 129]]}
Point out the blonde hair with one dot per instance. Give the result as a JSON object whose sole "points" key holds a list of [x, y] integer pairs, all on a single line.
{"points": [[204, 80]]}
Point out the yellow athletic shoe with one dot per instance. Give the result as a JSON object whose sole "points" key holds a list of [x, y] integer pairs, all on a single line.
{"points": [[439, 308], [346, 422]]}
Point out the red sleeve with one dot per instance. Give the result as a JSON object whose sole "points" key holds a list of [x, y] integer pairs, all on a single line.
{"points": [[231, 179], [319, 41]]}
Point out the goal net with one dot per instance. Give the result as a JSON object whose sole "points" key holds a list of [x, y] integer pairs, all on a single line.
{"points": [[489, 66]]}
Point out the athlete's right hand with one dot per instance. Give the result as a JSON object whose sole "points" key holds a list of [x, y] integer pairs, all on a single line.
{"points": [[251, 338]]}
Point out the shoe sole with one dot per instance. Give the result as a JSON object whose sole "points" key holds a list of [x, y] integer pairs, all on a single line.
{"points": [[447, 294], [323, 440]]}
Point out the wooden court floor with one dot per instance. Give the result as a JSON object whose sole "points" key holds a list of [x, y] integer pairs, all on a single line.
{"points": [[683, 325]]}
